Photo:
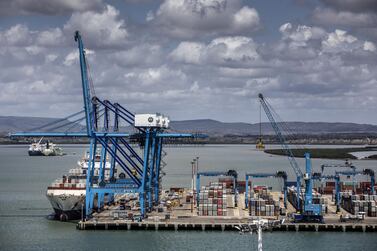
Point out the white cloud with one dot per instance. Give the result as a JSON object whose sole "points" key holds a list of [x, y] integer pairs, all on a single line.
{"points": [[220, 51], [16, 35], [232, 49], [302, 33], [51, 58], [369, 46], [246, 19], [73, 57], [155, 78], [104, 29], [192, 18], [188, 52], [340, 41], [51, 37], [143, 55]]}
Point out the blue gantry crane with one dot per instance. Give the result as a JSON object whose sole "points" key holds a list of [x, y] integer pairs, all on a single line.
{"points": [[103, 121], [309, 211], [347, 164], [230, 173], [353, 173], [279, 174], [337, 176]]}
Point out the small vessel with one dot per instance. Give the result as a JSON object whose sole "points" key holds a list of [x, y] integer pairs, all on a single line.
{"points": [[44, 149], [67, 194], [51, 149], [36, 148]]}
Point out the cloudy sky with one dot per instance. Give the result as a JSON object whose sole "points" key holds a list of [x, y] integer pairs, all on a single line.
{"points": [[315, 60]]}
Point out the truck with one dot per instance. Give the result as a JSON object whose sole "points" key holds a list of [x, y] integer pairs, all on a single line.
{"points": [[349, 217]]}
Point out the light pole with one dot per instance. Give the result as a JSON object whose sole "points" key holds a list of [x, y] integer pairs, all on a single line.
{"points": [[197, 164], [192, 185], [194, 181]]}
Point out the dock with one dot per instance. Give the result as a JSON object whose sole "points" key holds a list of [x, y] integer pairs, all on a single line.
{"points": [[182, 219], [218, 225]]}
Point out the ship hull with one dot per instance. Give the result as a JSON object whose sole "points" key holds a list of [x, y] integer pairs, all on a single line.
{"points": [[68, 215], [35, 153], [66, 206], [69, 206]]}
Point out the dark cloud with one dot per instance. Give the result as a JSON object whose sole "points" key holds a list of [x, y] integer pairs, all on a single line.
{"points": [[47, 7], [329, 16], [352, 5]]}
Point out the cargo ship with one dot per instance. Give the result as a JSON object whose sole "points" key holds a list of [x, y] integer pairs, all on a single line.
{"points": [[67, 194]]}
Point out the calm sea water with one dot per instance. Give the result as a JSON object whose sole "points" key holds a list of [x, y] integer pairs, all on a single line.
{"points": [[23, 206]]}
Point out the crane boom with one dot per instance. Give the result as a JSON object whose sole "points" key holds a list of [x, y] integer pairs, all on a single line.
{"points": [[85, 85], [280, 136]]}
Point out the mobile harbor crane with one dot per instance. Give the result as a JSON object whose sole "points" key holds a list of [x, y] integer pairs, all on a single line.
{"points": [[309, 211], [279, 174]]}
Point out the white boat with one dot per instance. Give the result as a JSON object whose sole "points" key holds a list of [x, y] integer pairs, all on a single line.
{"points": [[44, 149], [51, 149], [36, 149]]}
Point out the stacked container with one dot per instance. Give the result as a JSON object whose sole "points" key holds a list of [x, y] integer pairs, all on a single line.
{"points": [[359, 203], [261, 203], [213, 200]]}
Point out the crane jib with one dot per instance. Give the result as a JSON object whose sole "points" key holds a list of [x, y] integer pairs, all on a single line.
{"points": [[281, 137]]}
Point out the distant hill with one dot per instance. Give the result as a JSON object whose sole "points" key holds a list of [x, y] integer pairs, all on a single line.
{"points": [[209, 126], [10, 124], [213, 127]]}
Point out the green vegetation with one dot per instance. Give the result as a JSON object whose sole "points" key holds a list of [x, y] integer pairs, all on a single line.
{"points": [[325, 153]]}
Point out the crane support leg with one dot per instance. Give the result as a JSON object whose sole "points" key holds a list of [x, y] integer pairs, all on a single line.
{"points": [[142, 193]]}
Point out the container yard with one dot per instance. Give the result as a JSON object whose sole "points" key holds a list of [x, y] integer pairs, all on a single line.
{"points": [[216, 210]]}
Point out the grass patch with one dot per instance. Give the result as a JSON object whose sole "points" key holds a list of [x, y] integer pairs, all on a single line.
{"points": [[325, 153]]}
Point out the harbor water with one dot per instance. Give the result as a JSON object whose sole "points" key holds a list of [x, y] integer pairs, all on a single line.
{"points": [[24, 207]]}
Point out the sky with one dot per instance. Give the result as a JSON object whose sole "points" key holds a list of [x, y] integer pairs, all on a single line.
{"points": [[193, 59]]}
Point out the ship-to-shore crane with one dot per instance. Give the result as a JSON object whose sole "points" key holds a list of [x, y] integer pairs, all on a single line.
{"points": [[103, 121]]}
